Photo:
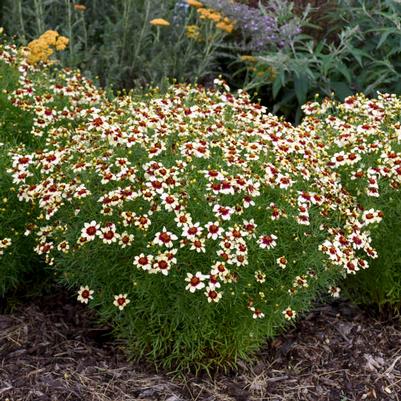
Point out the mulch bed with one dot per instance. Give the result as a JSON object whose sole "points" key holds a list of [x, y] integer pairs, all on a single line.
{"points": [[51, 350]]}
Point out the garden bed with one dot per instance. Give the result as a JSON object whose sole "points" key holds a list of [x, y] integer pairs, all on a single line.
{"points": [[51, 349]]}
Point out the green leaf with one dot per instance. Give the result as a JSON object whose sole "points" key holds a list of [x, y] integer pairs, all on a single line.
{"points": [[344, 70], [341, 89], [301, 86]]}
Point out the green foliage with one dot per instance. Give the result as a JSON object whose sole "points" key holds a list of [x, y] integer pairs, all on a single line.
{"points": [[374, 180], [381, 283], [359, 53]]}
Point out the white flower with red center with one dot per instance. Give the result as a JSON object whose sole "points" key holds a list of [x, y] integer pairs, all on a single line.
{"points": [[214, 281], [44, 248], [333, 251], [256, 313], [212, 295], [195, 281], [198, 245], [143, 261], [213, 175], [240, 247], [20, 176], [223, 212], [351, 266], [236, 233], [363, 264], [165, 238], [334, 291], [250, 227], [106, 211], [372, 216], [214, 187], [219, 269], [143, 222], [339, 159], [183, 219], [107, 176], [214, 230], [282, 262], [85, 294], [90, 230], [170, 202], [22, 162], [121, 301], [5, 243], [126, 239], [170, 255], [63, 246], [284, 181], [358, 240], [226, 188], [260, 277], [155, 185], [248, 201], [81, 192], [238, 260], [300, 281], [108, 234], [371, 252], [267, 241], [162, 264], [289, 314], [128, 218], [192, 231]]}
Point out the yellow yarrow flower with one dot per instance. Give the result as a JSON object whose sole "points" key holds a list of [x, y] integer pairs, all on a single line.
{"points": [[40, 49], [159, 22], [194, 3], [224, 26], [211, 15], [247, 57], [193, 32], [61, 43], [79, 7]]}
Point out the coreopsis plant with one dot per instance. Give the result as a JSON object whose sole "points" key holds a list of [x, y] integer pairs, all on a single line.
{"points": [[363, 136], [195, 222]]}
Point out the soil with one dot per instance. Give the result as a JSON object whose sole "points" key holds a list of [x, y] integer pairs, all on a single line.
{"points": [[52, 350]]}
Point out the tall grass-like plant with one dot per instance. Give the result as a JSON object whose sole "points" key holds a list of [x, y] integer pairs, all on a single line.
{"points": [[116, 41]]}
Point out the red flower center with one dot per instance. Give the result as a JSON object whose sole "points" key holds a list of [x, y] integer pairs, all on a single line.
{"points": [[164, 237], [195, 281], [108, 235], [213, 229], [91, 231]]}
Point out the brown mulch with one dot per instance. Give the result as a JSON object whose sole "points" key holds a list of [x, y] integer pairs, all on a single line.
{"points": [[51, 350]]}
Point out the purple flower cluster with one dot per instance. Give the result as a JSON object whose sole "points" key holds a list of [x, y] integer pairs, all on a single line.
{"points": [[260, 30]]}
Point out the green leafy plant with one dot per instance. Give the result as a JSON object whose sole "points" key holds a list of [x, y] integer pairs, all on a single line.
{"points": [[369, 128], [360, 53]]}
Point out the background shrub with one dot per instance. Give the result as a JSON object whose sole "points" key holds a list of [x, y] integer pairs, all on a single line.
{"points": [[358, 53]]}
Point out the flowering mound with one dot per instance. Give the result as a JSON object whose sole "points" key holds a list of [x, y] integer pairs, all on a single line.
{"points": [[363, 139], [194, 221]]}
